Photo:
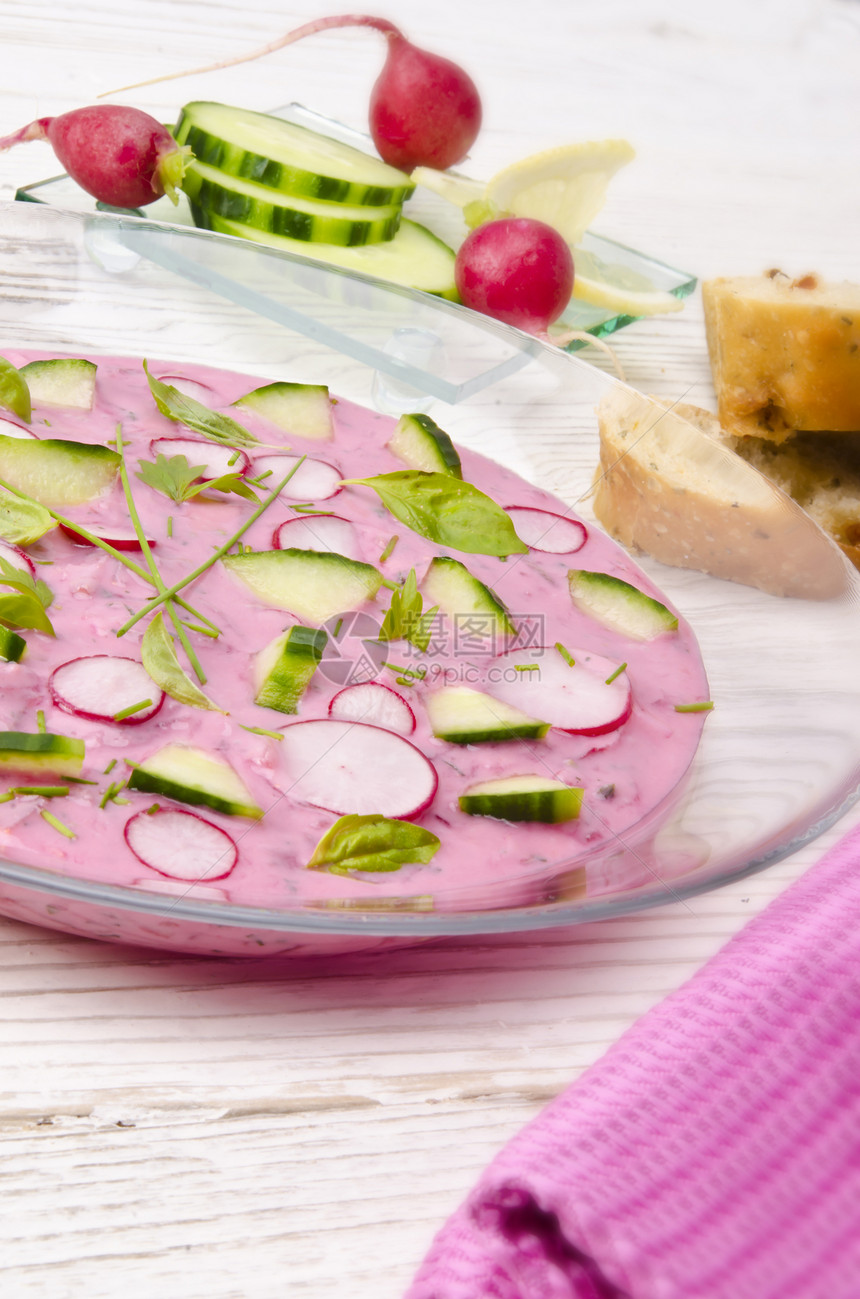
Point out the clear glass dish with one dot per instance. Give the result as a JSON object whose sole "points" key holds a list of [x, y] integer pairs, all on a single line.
{"points": [[780, 757], [425, 207]]}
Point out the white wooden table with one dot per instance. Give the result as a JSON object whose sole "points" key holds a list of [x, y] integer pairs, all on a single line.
{"points": [[224, 1130]]}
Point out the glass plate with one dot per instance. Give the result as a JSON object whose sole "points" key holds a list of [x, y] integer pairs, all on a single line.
{"points": [[780, 757], [425, 207]]}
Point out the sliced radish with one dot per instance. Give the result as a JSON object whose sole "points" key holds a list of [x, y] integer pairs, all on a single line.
{"points": [[375, 704], [17, 558], [326, 533], [314, 480], [10, 430], [190, 388], [589, 698], [554, 534], [181, 845], [101, 686], [215, 459], [119, 537], [348, 767]]}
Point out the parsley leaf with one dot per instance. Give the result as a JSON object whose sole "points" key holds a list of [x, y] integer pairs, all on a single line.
{"points": [[176, 478]]}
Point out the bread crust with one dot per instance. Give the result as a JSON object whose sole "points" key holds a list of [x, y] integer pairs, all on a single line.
{"points": [[669, 486], [785, 354]]}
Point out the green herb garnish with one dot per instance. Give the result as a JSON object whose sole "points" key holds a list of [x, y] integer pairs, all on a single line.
{"points": [[56, 823], [695, 708], [446, 510], [176, 478], [31, 597], [185, 410], [372, 843], [159, 658], [405, 618], [565, 654], [616, 673]]}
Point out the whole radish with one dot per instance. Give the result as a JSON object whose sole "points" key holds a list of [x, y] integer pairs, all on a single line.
{"points": [[122, 156], [425, 111], [517, 270]]}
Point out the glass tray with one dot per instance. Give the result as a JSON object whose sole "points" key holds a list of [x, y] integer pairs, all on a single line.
{"points": [[425, 207], [780, 757]]}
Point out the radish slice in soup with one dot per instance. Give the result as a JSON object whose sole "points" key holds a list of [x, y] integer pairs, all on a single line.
{"points": [[321, 532], [10, 430], [348, 767], [216, 460], [101, 688], [551, 533], [314, 480], [119, 537], [191, 388], [17, 558], [181, 845], [590, 697], [375, 704]]}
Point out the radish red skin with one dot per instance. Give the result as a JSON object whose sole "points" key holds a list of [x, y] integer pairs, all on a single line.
{"points": [[120, 155], [517, 270]]}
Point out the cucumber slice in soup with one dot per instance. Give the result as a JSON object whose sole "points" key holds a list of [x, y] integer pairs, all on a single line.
{"points": [[195, 776], [61, 755], [55, 472], [285, 667], [285, 157], [68, 381], [618, 605], [301, 409], [470, 604], [414, 257], [464, 716], [348, 225], [12, 646], [421, 444], [523, 798], [313, 585]]}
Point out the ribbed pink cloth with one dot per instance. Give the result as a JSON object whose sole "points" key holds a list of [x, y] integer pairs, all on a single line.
{"points": [[712, 1153]]}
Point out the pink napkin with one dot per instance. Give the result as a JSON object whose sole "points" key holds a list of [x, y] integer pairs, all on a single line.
{"points": [[713, 1153]]}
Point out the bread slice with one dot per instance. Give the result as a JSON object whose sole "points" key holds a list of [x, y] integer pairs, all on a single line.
{"points": [[785, 354], [671, 487]]}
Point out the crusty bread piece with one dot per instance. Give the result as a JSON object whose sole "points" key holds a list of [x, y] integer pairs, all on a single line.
{"points": [[672, 488], [785, 354]]}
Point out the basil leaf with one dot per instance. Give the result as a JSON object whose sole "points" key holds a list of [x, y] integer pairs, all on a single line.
{"points": [[14, 393], [446, 510], [372, 843], [176, 406], [23, 522], [24, 609], [160, 660]]}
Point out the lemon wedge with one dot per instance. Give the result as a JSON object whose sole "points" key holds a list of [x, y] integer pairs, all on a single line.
{"points": [[565, 187], [618, 288]]}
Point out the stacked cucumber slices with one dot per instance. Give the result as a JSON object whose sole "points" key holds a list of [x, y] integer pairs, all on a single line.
{"points": [[278, 183]]}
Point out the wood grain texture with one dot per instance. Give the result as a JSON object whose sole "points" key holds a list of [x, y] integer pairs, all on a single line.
{"points": [[203, 1129]]}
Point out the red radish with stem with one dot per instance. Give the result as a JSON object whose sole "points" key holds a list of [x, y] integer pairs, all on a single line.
{"points": [[122, 156], [101, 688], [517, 270], [425, 111]]}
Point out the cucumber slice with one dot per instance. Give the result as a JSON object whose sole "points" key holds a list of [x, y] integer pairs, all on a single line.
{"points": [[464, 716], [414, 257], [618, 605], [348, 225], [285, 667], [12, 646], [473, 608], [22, 751], [288, 158], [523, 798], [313, 585], [57, 473], [302, 409], [194, 776], [68, 381], [421, 444]]}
